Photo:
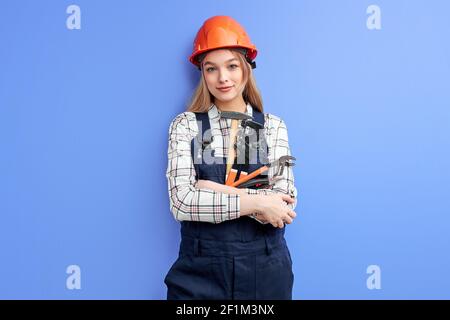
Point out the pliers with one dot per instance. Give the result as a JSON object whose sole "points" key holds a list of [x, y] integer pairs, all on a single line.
{"points": [[280, 163]]}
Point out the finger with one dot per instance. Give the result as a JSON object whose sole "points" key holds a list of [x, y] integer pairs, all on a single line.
{"points": [[280, 224], [291, 213], [274, 223], [287, 198], [288, 220]]}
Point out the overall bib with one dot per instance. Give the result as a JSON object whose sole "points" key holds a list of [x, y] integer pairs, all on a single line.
{"points": [[234, 259]]}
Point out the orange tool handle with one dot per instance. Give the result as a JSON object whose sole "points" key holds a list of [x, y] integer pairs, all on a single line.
{"points": [[250, 176], [231, 177]]}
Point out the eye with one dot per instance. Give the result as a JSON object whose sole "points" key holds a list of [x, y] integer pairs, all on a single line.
{"points": [[209, 69], [233, 66]]}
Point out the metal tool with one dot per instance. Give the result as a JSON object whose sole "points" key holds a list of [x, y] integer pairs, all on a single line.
{"points": [[255, 182], [280, 163], [248, 141], [260, 183], [234, 116]]}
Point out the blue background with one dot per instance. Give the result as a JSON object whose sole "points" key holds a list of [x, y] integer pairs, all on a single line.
{"points": [[84, 118]]}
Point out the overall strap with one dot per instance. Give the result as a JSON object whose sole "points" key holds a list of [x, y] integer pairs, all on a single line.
{"points": [[198, 144], [258, 116], [203, 138], [204, 119]]}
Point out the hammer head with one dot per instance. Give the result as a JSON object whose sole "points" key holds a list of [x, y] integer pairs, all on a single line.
{"points": [[235, 115], [252, 124]]}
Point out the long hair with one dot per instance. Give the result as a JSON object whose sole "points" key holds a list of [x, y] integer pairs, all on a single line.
{"points": [[202, 98]]}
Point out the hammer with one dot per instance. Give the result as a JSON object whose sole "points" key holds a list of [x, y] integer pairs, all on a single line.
{"points": [[234, 116]]}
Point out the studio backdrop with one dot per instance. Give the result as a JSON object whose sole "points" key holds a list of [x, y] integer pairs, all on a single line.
{"points": [[88, 90]]}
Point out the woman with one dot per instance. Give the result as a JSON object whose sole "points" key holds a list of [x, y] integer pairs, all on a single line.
{"points": [[232, 239]]}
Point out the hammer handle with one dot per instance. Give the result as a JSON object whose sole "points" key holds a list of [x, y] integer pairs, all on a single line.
{"points": [[231, 151]]}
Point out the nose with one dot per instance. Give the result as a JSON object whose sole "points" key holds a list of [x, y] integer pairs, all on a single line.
{"points": [[223, 76]]}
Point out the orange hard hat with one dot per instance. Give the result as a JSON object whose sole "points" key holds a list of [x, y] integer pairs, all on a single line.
{"points": [[222, 32]]}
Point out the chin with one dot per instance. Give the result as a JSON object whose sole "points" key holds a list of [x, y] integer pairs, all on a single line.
{"points": [[225, 98]]}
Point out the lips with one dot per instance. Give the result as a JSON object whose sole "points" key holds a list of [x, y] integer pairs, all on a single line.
{"points": [[225, 89]]}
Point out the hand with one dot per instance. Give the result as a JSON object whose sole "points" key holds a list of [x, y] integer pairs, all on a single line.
{"points": [[273, 209], [260, 217]]}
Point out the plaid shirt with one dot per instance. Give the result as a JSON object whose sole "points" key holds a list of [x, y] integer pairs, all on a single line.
{"points": [[187, 202]]}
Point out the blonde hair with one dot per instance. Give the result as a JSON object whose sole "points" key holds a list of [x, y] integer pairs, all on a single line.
{"points": [[202, 98]]}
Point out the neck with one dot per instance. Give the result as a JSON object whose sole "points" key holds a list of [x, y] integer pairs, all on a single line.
{"points": [[237, 105]]}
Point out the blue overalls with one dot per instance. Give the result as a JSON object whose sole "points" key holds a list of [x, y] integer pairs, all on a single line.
{"points": [[235, 259]]}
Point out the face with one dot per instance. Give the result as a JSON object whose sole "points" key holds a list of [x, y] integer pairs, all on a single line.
{"points": [[222, 69]]}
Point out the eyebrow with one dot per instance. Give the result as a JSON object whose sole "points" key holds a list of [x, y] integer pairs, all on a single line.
{"points": [[209, 62]]}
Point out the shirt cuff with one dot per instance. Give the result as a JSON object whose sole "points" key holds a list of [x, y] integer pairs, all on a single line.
{"points": [[233, 205]]}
